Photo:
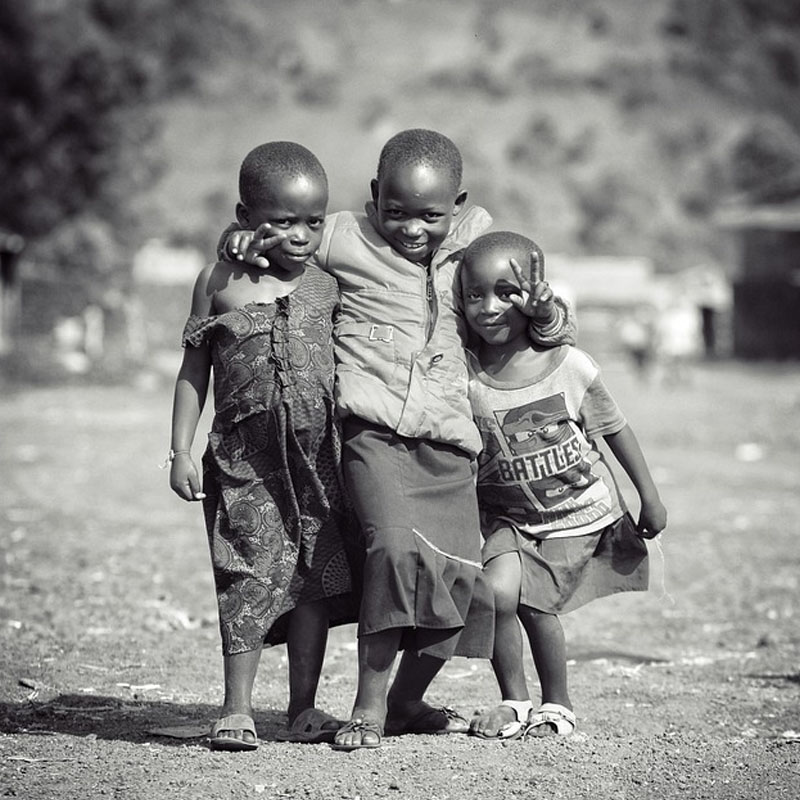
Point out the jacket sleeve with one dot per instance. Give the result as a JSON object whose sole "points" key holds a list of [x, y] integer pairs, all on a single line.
{"points": [[562, 330], [222, 249]]}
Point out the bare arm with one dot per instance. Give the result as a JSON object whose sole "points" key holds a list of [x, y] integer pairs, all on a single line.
{"points": [[626, 449], [191, 389]]}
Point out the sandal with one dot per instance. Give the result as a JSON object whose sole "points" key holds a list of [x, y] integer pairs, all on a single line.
{"points": [[511, 730], [360, 726], [310, 726], [558, 717], [428, 719], [233, 722]]}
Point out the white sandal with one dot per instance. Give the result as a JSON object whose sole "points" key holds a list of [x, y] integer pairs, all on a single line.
{"points": [[516, 728], [559, 717]]}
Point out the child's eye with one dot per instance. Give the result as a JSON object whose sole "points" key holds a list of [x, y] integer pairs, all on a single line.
{"points": [[431, 217], [394, 213], [280, 223], [316, 223]]}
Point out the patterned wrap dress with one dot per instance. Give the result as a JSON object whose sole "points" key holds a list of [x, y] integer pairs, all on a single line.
{"points": [[279, 525]]}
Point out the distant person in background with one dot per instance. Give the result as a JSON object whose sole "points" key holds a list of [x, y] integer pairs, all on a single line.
{"points": [[637, 335], [557, 533], [272, 487], [677, 338], [410, 441]]}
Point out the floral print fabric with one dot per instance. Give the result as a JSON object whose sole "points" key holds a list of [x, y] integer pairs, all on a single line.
{"points": [[275, 508]]}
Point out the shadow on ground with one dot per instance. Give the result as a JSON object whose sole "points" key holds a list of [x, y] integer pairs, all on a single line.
{"points": [[114, 719]]}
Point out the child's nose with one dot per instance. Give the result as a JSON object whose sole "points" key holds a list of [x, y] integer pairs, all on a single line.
{"points": [[299, 233], [491, 306], [413, 227]]}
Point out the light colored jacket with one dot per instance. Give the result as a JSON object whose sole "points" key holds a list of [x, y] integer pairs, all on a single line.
{"points": [[400, 335]]}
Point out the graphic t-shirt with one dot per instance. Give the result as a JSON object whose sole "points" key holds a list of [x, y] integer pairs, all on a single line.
{"points": [[540, 468]]}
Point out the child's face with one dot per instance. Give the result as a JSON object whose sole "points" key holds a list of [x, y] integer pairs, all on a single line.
{"points": [[297, 209], [415, 208], [487, 285]]}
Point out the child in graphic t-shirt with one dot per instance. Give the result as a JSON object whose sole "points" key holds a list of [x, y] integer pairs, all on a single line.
{"points": [[557, 533]]}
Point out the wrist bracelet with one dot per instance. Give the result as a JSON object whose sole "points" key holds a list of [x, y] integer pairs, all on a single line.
{"points": [[171, 457]]}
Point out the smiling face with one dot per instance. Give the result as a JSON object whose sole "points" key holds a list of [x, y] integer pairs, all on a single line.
{"points": [[415, 207], [487, 285], [296, 207]]}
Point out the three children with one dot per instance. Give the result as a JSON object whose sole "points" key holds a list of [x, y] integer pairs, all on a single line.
{"points": [[410, 442]]}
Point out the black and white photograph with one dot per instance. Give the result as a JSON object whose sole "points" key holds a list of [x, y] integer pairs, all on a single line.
{"points": [[400, 399]]}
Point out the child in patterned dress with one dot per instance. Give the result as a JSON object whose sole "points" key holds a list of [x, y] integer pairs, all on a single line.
{"points": [[272, 488], [557, 533]]}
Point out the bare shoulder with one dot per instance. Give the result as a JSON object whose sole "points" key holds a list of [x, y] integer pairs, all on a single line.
{"points": [[209, 280]]}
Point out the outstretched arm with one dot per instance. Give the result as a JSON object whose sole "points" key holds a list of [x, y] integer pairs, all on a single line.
{"points": [[238, 244], [626, 449], [552, 321]]}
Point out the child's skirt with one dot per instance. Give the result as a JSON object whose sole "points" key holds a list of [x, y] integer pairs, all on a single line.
{"points": [[422, 570], [562, 574]]}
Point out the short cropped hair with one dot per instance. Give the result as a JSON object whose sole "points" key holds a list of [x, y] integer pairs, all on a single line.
{"points": [[417, 146], [269, 163], [516, 245]]}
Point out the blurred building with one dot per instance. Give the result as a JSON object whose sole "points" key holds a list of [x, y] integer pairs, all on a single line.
{"points": [[766, 291]]}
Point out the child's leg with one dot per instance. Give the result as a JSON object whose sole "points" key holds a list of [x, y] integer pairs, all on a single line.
{"points": [[306, 639], [407, 711], [240, 673], [414, 675], [549, 650], [376, 656], [504, 574]]}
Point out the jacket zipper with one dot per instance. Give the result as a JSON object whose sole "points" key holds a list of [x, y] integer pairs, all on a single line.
{"points": [[430, 297]]}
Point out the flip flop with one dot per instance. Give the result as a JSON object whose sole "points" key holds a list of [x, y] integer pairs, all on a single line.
{"points": [[309, 728], [233, 722], [436, 720], [559, 717], [360, 726], [511, 730]]}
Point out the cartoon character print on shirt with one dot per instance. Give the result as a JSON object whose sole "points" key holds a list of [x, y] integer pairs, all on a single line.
{"points": [[536, 454]]}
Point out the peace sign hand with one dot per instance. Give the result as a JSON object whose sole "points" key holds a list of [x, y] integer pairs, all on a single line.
{"points": [[536, 300]]}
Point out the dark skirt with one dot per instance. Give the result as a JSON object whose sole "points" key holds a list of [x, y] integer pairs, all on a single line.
{"points": [[561, 574], [416, 504]]}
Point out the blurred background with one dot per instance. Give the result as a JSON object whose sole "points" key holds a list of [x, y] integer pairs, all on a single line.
{"points": [[651, 148]]}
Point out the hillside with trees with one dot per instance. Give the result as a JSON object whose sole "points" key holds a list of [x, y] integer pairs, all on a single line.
{"points": [[600, 126]]}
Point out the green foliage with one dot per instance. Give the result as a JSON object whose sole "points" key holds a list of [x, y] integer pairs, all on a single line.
{"points": [[80, 79], [750, 48], [765, 162]]}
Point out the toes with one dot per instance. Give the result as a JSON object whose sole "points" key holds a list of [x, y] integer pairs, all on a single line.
{"points": [[237, 735]]}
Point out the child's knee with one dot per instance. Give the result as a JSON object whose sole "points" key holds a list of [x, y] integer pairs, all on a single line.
{"points": [[503, 575]]}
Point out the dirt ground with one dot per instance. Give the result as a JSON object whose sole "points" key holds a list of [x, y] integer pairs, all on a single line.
{"points": [[108, 629]]}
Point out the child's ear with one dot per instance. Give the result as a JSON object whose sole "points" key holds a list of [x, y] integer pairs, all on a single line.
{"points": [[374, 187], [243, 216], [460, 201]]}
